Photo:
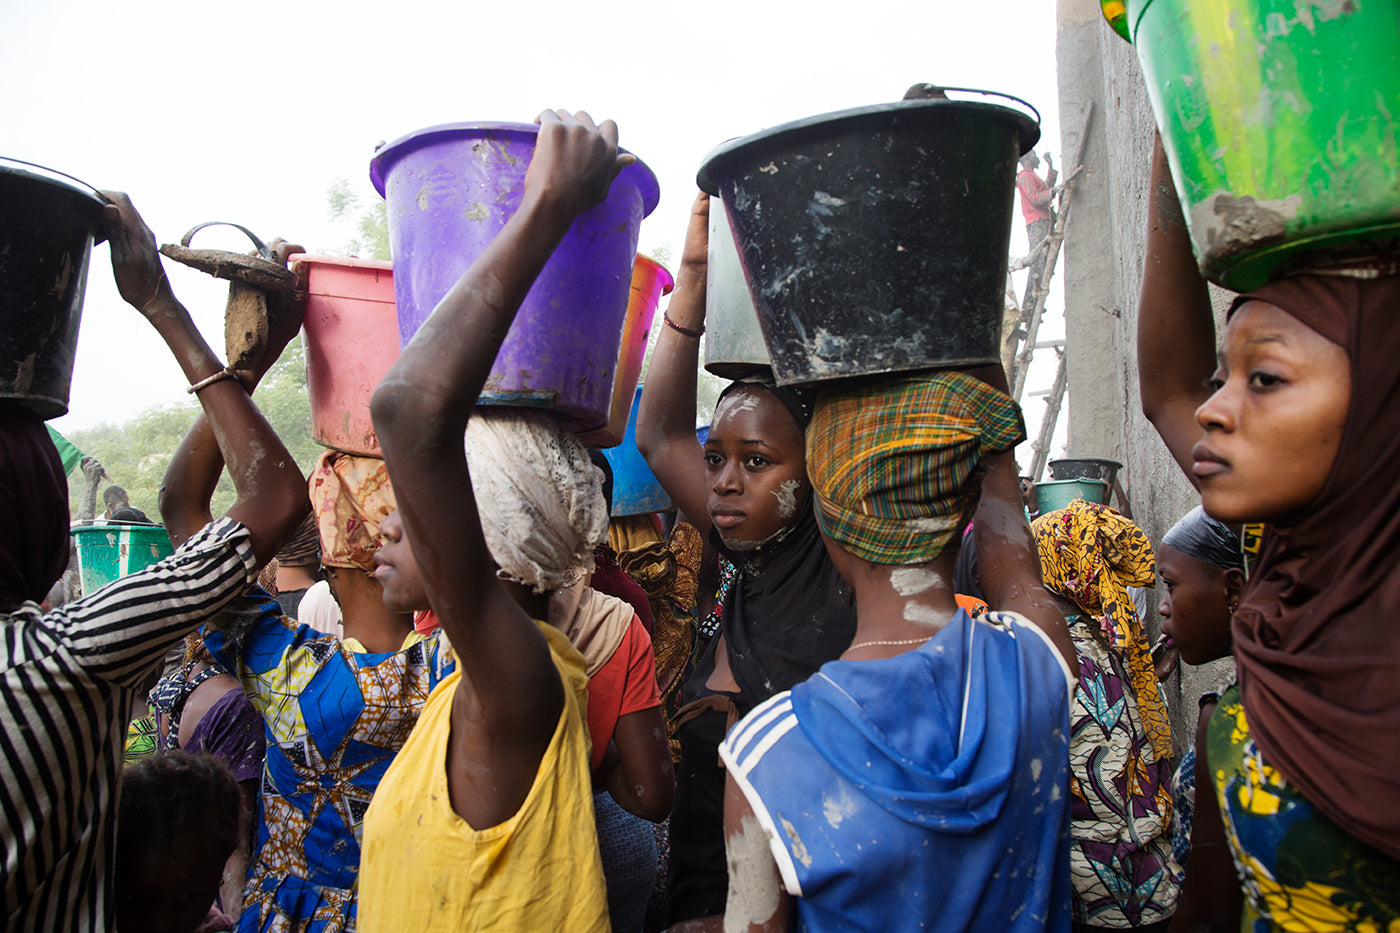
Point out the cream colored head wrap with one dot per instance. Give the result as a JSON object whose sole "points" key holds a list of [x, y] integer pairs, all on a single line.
{"points": [[539, 496]]}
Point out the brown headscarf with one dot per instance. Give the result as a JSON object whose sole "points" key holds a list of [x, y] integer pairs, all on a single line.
{"points": [[1315, 634], [33, 508]]}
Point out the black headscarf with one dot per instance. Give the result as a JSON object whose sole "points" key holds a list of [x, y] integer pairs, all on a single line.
{"points": [[33, 508], [787, 614], [1202, 537]]}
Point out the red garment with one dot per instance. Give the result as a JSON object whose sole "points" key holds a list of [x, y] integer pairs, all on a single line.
{"points": [[626, 683], [425, 622], [609, 578], [1032, 188]]}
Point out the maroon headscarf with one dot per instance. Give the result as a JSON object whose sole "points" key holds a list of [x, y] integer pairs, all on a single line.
{"points": [[1317, 634], [33, 508]]}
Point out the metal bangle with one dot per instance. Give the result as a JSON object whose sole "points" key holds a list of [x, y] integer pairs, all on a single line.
{"points": [[224, 373]]}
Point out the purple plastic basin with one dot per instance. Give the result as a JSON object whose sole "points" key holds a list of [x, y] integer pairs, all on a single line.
{"points": [[450, 189]]}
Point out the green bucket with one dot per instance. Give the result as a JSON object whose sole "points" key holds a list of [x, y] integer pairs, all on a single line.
{"points": [[1058, 493], [110, 552], [1281, 120]]}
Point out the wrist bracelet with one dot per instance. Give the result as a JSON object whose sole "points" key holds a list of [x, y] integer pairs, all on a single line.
{"points": [[679, 329], [224, 373]]}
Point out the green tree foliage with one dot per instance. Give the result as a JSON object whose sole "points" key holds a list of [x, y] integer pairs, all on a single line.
{"points": [[135, 454], [371, 224]]}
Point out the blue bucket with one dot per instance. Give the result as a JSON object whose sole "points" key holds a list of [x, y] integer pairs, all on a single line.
{"points": [[636, 490]]}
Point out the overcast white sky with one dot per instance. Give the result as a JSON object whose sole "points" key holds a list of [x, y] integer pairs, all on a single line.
{"points": [[248, 112]]}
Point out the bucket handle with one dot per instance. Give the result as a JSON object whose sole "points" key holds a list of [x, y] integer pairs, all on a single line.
{"points": [[53, 171], [985, 93], [262, 249]]}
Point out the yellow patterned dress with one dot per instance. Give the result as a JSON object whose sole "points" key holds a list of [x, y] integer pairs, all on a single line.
{"points": [[335, 719], [1301, 873]]}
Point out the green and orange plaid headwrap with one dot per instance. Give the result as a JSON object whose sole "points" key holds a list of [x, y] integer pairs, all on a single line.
{"points": [[895, 465]]}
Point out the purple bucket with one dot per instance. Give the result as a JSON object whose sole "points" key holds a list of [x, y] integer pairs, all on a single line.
{"points": [[450, 189]]}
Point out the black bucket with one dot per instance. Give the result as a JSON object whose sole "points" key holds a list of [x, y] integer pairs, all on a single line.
{"points": [[47, 229], [1085, 468], [875, 240]]}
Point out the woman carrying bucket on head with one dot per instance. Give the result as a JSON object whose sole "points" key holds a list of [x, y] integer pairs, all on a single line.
{"points": [[786, 610], [1120, 740], [68, 677], [485, 821], [335, 710], [919, 782], [1295, 427]]}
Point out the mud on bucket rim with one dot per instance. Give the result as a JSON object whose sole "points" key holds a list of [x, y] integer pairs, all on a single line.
{"points": [[823, 123], [386, 155]]}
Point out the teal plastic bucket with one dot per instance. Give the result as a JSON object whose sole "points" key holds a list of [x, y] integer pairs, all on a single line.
{"points": [[1281, 121], [1059, 493], [636, 490], [110, 552]]}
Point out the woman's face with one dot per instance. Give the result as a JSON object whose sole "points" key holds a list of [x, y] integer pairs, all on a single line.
{"points": [[1196, 604], [1274, 424], [396, 569], [756, 466]]}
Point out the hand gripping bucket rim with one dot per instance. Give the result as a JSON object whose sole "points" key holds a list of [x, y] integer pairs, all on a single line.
{"points": [[389, 153]]}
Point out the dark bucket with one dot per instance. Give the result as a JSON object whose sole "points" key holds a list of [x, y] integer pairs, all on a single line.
{"points": [[875, 240], [47, 229], [1085, 468]]}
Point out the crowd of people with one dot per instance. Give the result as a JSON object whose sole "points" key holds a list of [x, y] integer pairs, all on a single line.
{"points": [[854, 682]]}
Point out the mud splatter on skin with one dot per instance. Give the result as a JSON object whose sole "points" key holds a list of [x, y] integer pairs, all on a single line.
{"points": [[741, 400], [786, 494], [907, 581], [753, 878], [918, 612]]}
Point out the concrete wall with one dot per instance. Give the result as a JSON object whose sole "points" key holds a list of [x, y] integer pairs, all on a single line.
{"points": [[1105, 238]]}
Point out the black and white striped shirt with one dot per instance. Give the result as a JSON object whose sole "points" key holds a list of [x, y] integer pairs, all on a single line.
{"points": [[67, 681]]}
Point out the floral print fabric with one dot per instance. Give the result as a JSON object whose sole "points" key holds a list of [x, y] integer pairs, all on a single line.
{"points": [[335, 720], [1120, 796], [1300, 871]]}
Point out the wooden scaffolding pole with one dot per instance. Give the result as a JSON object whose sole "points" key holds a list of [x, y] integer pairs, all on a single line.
{"points": [[1028, 326], [1053, 400]]}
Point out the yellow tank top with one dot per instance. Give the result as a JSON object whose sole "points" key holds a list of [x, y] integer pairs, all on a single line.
{"points": [[424, 868]]}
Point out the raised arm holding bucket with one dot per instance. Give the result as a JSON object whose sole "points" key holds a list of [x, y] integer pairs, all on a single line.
{"points": [[500, 746], [1295, 429]]}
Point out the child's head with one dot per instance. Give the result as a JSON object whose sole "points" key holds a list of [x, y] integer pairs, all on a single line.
{"points": [[755, 463], [1201, 571], [114, 498], [176, 827]]}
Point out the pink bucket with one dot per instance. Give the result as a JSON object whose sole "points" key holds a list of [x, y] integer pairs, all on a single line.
{"points": [[352, 338]]}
